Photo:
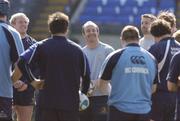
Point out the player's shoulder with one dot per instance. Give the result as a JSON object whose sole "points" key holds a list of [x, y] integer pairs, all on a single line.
{"points": [[106, 46], [116, 53], [177, 55], [12, 30], [149, 54], [73, 44]]}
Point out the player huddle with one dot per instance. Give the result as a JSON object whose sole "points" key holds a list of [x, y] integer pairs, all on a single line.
{"points": [[138, 82]]}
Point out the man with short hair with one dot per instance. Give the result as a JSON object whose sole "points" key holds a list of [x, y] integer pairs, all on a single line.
{"points": [[23, 101], [132, 72], [96, 52], [147, 40], [164, 102], [169, 17], [10, 49], [62, 64]]}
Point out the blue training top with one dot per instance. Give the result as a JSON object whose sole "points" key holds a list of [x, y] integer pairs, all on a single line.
{"points": [[10, 49], [132, 72]]}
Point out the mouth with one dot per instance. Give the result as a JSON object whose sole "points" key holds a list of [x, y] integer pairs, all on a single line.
{"points": [[91, 35]]}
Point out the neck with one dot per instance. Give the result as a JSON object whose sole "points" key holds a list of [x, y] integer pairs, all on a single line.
{"points": [[60, 34], [3, 18], [23, 36], [132, 42], [93, 45], [148, 37], [162, 37]]}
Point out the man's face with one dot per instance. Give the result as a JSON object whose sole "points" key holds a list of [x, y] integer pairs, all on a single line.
{"points": [[145, 25], [91, 34], [21, 25]]}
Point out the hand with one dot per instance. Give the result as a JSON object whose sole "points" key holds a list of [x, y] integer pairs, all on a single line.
{"points": [[104, 86], [38, 84], [20, 85], [94, 84], [91, 88]]}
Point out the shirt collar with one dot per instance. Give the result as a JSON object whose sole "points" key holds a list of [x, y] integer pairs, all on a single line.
{"points": [[133, 44], [58, 37], [166, 38], [1, 21]]}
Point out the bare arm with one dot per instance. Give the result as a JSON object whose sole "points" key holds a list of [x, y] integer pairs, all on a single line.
{"points": [[16, 75], [104, 85], [154, 88]]}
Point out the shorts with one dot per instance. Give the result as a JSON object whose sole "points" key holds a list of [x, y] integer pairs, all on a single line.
{"points": [[5, 109], [163, 106], [24, 98], [97, 110], [42, 114]]}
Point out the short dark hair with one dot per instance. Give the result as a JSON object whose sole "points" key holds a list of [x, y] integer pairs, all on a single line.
{"points": [[58, 22], [150, 16], [130, 33], [160, 27]]}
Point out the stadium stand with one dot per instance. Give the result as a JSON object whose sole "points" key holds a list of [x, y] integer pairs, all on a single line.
{"points": [[38, 11], [104, 12], [122, 11], [40, 29]]}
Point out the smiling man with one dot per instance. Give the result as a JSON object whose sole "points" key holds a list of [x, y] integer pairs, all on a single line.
{"points": [[96, 52], [23, 101]]}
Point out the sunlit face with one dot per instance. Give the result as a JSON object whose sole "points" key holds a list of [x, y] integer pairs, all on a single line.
{"points": [[21, 25], [91, 35], [145, 25]]}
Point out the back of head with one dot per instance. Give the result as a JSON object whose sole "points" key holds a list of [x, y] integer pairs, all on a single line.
{"points": [[130, 33], [160, 28], [4, 7], [167, 16], [58, 22]]}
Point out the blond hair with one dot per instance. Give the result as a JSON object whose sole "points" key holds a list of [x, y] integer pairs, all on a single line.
{"points": [[17, 15]]}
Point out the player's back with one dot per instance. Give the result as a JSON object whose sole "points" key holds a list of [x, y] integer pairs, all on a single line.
{"points": [[61, 65]]}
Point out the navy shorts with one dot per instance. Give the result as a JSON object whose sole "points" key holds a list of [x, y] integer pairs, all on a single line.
{"points": [[5, 109], [163, 106], [42, 114], [24, 98]]}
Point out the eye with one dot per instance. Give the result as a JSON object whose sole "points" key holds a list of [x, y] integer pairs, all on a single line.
{"points": [[87, 30], [94, 30]]}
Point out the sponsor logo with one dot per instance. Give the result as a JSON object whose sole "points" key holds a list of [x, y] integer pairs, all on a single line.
{"points": [[138, 60]]}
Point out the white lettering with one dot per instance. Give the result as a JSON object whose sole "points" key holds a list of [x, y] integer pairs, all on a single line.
{"points": [[174, 50], [136, 70]]}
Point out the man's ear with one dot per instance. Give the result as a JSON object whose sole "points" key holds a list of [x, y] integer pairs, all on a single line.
{"points": [[97, 30]]}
